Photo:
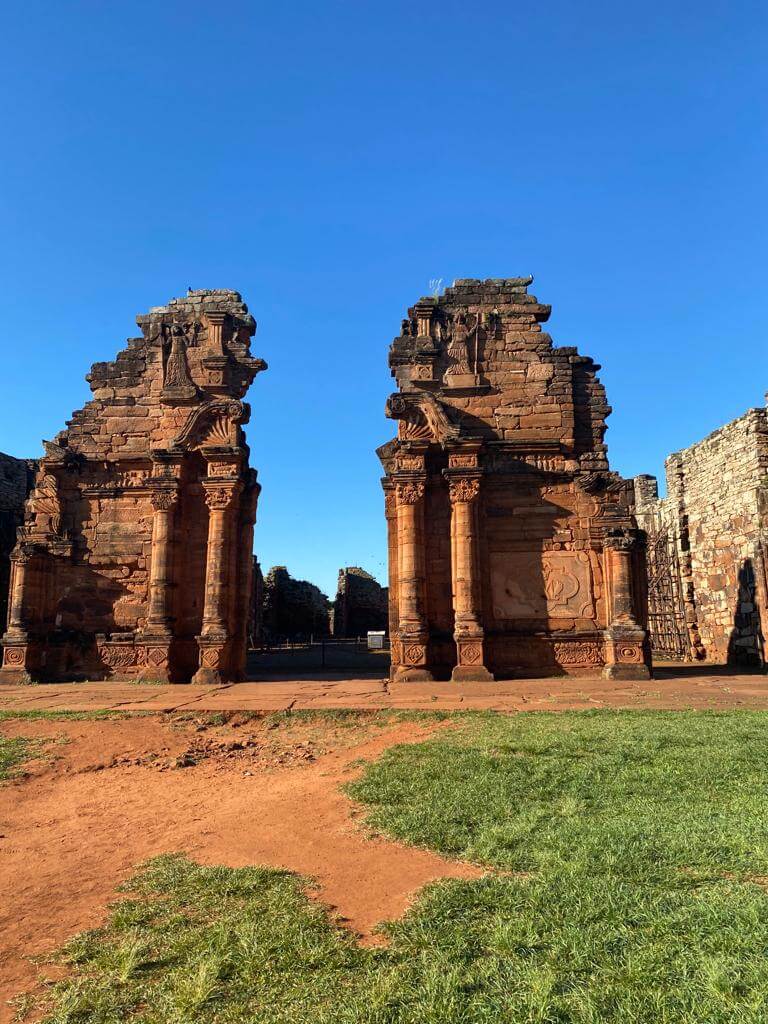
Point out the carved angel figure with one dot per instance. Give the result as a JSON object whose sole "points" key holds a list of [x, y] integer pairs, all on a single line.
{"points": [[457, 349], [176, 370]]}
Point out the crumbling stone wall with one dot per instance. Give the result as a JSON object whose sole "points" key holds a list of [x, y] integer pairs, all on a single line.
{"points": [[716, 509], [135, 557], [16, 477], [361, 604], [293, 609], [512, 547]]}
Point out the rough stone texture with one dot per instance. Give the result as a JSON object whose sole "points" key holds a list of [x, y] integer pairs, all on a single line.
{"points": [[716, 512], [512, 547], [293, 609], [361, 604], [16, 478], [135, 557]]}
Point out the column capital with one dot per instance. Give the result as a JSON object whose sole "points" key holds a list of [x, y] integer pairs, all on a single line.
{"points": [[164, 500], [22, 554], [463, 488], [410, 492], [219, 497], [620, 538]]}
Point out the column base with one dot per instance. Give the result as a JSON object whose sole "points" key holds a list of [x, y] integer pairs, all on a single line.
{"points": [[472, 674], [208, 677], [213, 660], [470, 659], [157, 662], [20, 661], [410, 674], [626, 653]]}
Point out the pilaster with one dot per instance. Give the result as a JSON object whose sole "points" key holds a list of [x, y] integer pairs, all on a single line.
{"points": [[626, 641], [464, 491], [413, 630]]}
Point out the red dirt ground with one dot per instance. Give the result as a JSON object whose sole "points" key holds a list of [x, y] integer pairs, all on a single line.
{"points": [[106, 795]]}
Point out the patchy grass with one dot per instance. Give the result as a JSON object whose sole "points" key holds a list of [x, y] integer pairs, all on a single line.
{"points": [[42, 714], [628, 854], [12, 753]]}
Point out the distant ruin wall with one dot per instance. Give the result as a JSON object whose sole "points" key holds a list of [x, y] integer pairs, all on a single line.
{"points": [[361, 604], [716, 509], [293, 610]]}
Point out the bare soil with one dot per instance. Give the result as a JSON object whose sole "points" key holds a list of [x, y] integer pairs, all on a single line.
{"points": [[102, 796]]}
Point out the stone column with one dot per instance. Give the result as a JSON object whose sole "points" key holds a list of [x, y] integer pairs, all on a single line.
{"points": [[412, 623], [158, 632], [214, 636], [390, 511], [626, 643], [18, 653], [159, 619], [465, 572]]}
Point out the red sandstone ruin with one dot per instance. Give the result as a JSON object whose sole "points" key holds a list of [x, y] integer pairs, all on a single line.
{"points": [[135, 557], [512, 547]]}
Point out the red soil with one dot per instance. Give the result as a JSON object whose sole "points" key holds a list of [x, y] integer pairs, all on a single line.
{"points": [[115, 793]]}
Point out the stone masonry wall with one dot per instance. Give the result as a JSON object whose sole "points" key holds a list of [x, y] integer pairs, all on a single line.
{"points": [[293, 609], [717, 509], [361, 603]]}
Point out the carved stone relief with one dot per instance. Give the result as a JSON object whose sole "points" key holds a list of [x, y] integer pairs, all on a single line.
{"points": [[539, 584]]}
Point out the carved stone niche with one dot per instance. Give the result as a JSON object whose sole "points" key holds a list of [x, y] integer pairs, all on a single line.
{"points": [[178, 386]]}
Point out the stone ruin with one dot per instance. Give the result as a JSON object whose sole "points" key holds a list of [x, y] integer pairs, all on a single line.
{"points": [[293, 610], [512, 546], [135, 555], [361, 604], [707, 546]]}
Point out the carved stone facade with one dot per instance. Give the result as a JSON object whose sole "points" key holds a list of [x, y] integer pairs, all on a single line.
{"points": [[512, 547], [715, 517], [135, 556], [361, 604]]}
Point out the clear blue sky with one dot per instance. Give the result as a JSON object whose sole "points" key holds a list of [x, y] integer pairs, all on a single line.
{"points": [[328, 159]]}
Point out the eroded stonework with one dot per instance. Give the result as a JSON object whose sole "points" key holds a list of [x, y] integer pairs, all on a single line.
{"points": [[512, 547], [708, 582], [135, 556]]}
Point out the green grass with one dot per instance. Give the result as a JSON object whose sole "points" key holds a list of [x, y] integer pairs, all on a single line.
{"points": [[627, 854], [12, 753], [42, 714]]}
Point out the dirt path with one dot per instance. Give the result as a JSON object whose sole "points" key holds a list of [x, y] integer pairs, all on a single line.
{"points": [[120, 792]]}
